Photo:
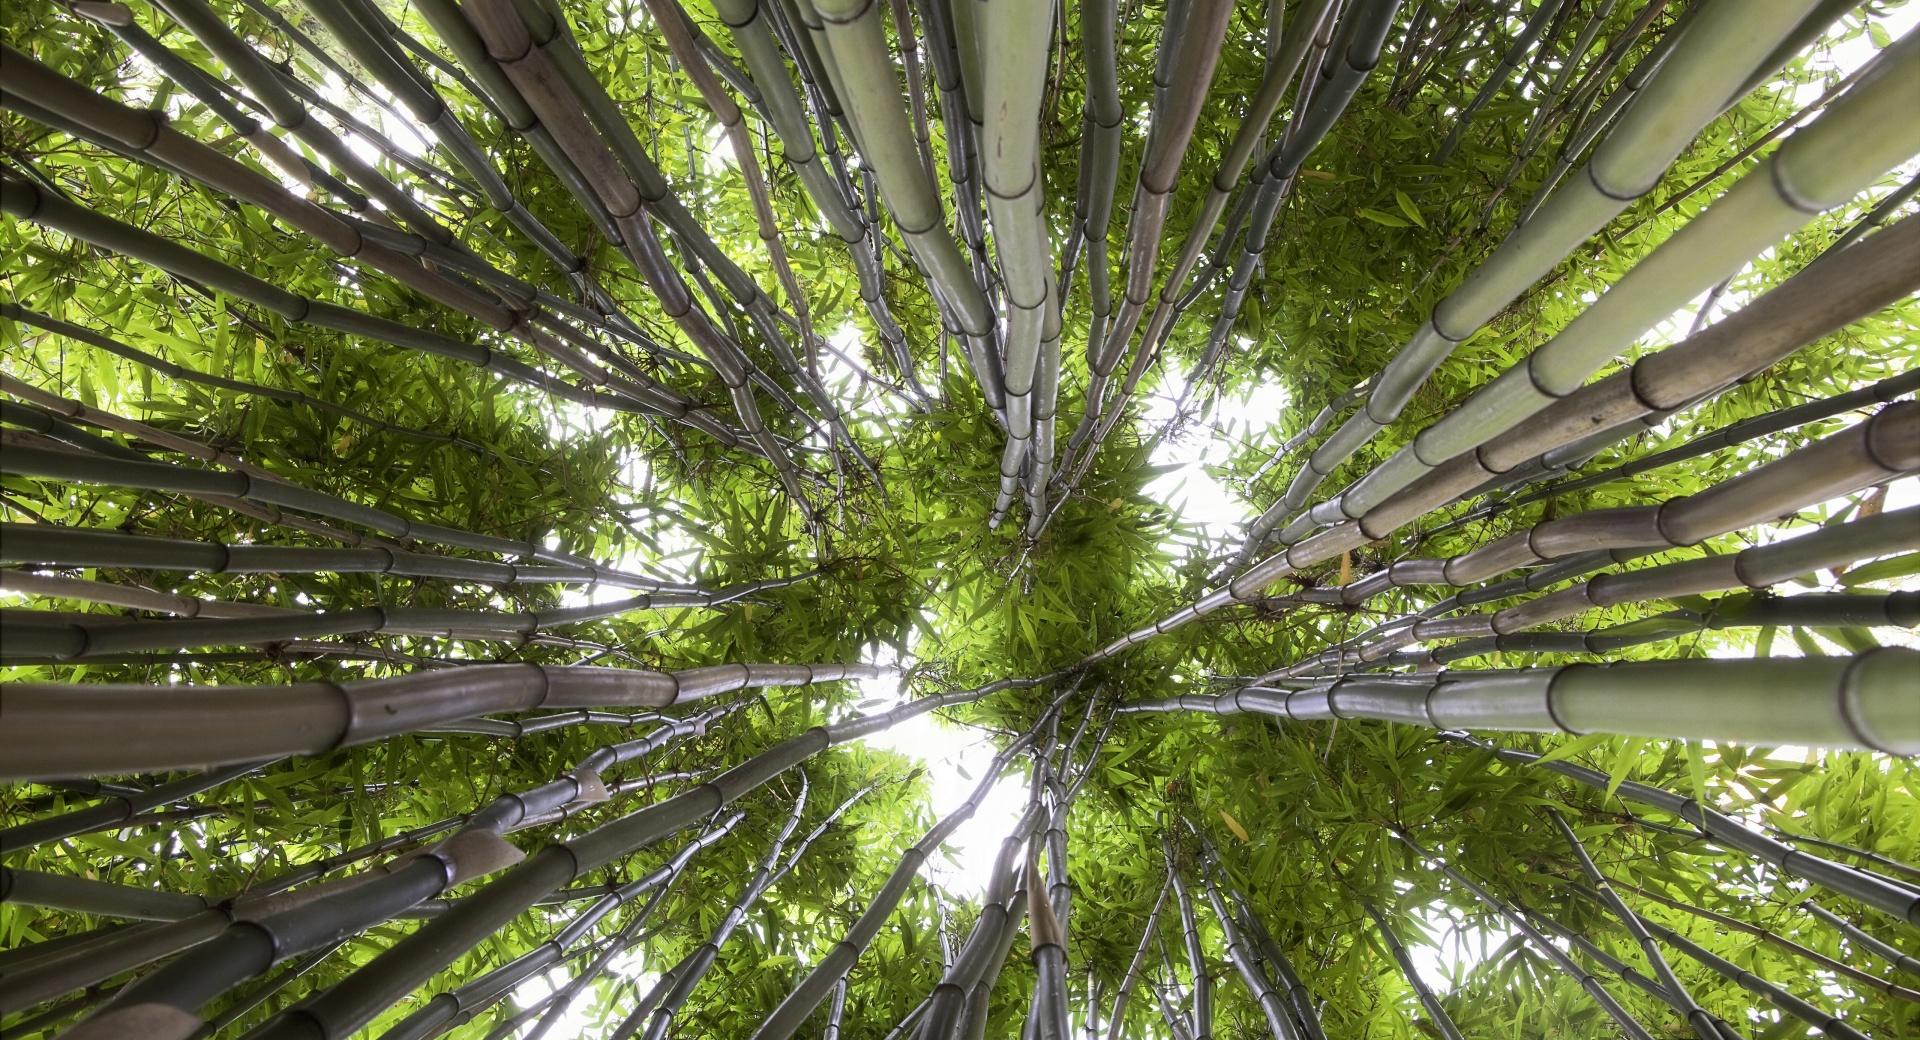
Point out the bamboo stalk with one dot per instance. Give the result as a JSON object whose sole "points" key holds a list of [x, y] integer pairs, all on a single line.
{"points": [[1201, 1017], [1817, 169], [1856, 458], [1702, 1024], [1758, 567], [1436, 1013], [1629, 1026], [1708, 60], [54, 731], [1891, 897], [411, 961], [1846, 702], [806, 996]]}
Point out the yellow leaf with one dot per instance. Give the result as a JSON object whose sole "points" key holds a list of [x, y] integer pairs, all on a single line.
{"points": [[1346, 568], [1234, 826]]}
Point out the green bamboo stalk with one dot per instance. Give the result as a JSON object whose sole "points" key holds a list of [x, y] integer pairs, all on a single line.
{"points": [[1713, 55], [856, 43], [1823, 297], [1817, 169], [1859, 701], [1702, 1024], [807, 995], [1898, 900], [54, 726], [1757, 567], [1530, 34], [1629, 1026], [1436, 1013]]}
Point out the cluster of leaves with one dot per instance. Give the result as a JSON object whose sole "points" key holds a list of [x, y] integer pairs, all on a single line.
{"points": [[906, 568]]}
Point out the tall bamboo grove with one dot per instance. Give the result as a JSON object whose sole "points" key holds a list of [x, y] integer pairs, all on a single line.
{"points": [[939, 519]]}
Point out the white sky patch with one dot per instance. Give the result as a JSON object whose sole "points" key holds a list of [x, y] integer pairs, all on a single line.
{"points": [[956, 759], [1199, 498]]}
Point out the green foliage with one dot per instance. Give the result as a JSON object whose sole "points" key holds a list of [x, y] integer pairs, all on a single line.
{"points": [[905, 567]]}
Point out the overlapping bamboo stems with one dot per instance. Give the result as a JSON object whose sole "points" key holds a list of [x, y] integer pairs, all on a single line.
{"points": [[1850, 611], [781, 108], [1859, 701], [1819, 168], [1242, 952], [1018, 33], [1899, 900], [666, 999], [1283, 66], [1436, 1012], [1826, 295], [856, 45], [1714, 440], [255, 945], [1363, 32], [542, 30], [1862, 939], [1277, 964], [55, 635], [678, 32], [806, 996], [201, 86], [1623, 1018], [1047, 1020], [370, 38], [1190, 54], [1530, 35], [26, 201], [57, 546], [1827, 1023], [1200, 1018], [1552, 106], [70, 970], [1630, 975], [118, 808], [1703, 1024], [537, 57], [245, 481], [451, 1008], [1123, 992], [53, 727], [1717, 54], [1757, 567], [1589, 123], [1819, 960], [946, 1008], [288, 110]]}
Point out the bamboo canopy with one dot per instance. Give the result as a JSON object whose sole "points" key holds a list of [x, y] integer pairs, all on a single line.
{"points": [[948, 519]]}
